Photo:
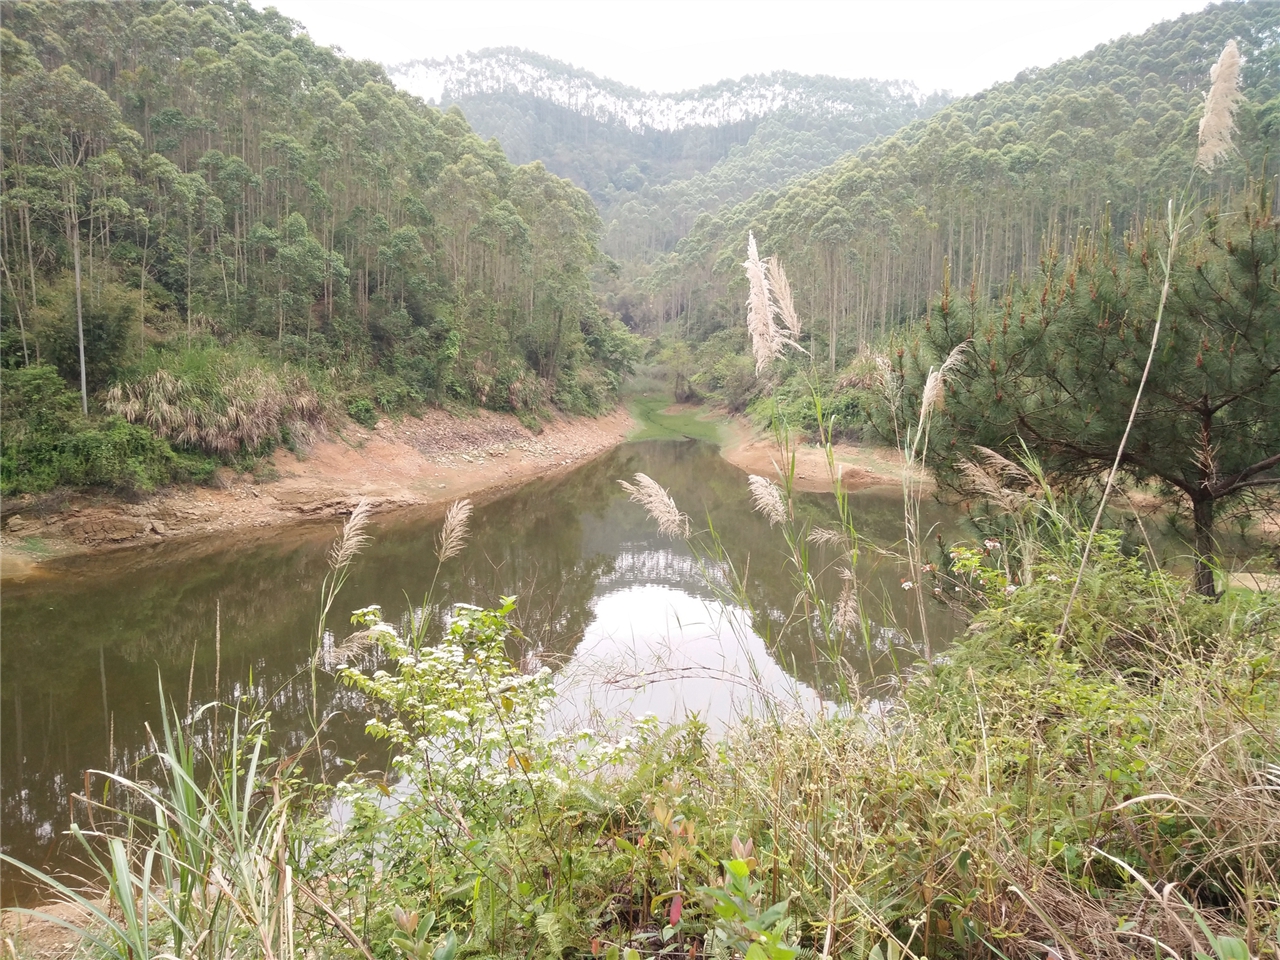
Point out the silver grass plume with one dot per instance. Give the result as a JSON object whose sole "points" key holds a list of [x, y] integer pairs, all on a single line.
{"points": [[766, 338], [985, 480], [846, 616], [769, 298], [767, 498], [659, 505], [353, 538], [781, 289], [1220, 105], [933, 397], [453, 535], [890, 385], [824, 537]]}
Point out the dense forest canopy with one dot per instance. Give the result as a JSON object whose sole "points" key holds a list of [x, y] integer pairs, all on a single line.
{"points": [[987, 185], [219, 234], [655, 162], [197, 185]]}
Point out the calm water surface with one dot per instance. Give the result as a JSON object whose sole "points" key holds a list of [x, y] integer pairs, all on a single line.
{"points": [[627, 618]]}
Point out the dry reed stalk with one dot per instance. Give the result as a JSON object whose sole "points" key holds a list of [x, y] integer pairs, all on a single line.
{"points": [[767, 498], [1220, 103], [659, 505], [453, 535]]}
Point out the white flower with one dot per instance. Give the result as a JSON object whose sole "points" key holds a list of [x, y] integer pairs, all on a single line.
{"points": [[907, 585], [991, 544], [1011, 589]]}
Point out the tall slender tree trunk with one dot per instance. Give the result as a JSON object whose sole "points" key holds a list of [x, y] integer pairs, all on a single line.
{"points": [[31, 263], [17, 306], [6, 262], [73, 228], [142, 295]]}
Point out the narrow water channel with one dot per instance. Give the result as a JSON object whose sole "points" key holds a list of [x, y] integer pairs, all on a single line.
{"points": [[630, 620]]}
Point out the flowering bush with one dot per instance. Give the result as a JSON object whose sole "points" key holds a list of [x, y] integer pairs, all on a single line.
{"points": [[461, 717]]}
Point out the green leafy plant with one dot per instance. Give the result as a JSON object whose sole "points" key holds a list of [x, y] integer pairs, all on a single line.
{"points": [[415, 941], [743, 924]]}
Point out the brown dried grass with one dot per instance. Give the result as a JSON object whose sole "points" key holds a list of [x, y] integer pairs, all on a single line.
{"points": [[247, 410]]}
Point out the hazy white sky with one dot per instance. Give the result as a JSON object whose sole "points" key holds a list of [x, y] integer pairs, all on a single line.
{"points": [[670, 45]]}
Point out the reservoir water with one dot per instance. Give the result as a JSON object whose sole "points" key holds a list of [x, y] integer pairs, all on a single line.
{"points": [[631, 621]]}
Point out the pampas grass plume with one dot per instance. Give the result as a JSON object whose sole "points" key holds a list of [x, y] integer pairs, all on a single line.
{"points": [[659, 505], [453, 535], [1220, 105], [769, 298], [846, 615], [933, 397], [353, 538], [766, 338], [782, 297], [767, 498]]}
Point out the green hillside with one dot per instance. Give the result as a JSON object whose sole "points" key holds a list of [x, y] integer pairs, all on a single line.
{"points": [[655, 162], [984, 187], [256, 234]]}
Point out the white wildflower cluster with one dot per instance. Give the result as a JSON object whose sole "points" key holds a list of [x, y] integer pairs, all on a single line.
{"points": [[462, 718]]}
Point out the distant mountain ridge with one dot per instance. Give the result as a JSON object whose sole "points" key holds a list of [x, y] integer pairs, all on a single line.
{"points": [[654, 162], [509, 70]]}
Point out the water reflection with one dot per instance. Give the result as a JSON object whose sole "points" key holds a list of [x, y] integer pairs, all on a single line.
{"points": [[86, 642], [656, 649]]}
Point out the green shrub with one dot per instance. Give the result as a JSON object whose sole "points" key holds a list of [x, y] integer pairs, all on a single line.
{"points": [[48, 443], [361, 410], [108, 317]]}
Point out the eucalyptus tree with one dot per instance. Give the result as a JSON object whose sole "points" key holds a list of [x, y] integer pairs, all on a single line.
{"points": [[990, 183], [67, 121]]}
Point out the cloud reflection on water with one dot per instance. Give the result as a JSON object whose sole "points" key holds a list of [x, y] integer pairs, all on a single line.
{"points": [[655, 648]]}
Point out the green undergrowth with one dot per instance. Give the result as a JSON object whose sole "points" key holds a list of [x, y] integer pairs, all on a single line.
{"points": [[694, 423], [1105, 791], [1030, 789], [48, 442]]}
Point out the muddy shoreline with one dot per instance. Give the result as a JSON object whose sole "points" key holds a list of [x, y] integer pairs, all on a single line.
{"points": [[416, 464]]}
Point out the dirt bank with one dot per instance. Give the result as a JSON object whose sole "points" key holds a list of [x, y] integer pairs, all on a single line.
{"points": [[757, 452], [418, 461]]}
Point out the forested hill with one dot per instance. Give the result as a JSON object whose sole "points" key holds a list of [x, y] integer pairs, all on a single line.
{"points": [[984, 185], [594, 130], [654, 162], [254, 232]]}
